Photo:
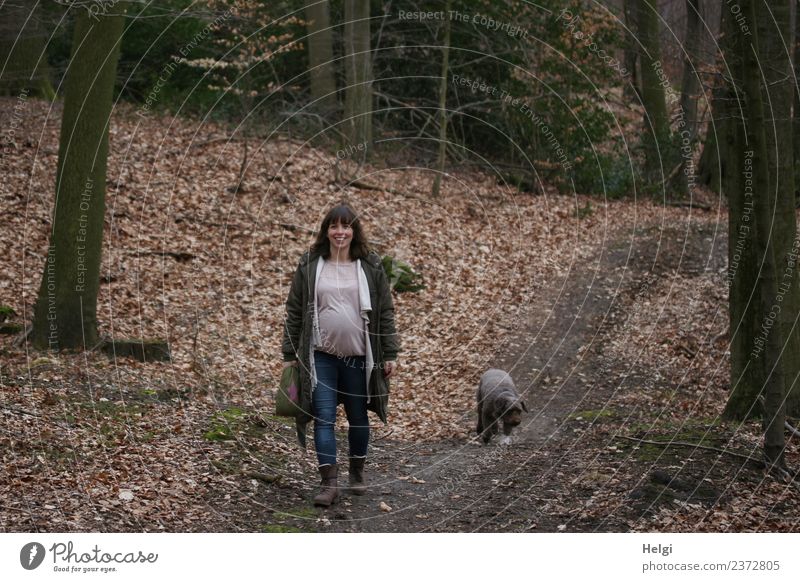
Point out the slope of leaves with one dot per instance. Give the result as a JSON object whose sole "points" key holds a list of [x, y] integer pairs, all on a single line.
{"points": [[96, 444], [187, 260]]}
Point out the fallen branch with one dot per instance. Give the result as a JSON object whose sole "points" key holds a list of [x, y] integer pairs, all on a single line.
{"points": [[45, 418], [180, 257], [21, 411], [365, 186], [20, 509]]}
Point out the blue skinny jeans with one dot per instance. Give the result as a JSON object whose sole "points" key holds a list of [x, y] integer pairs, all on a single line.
{"points": [[339, 379]]}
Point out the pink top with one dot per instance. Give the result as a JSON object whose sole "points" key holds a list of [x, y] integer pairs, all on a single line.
{"points": [[340, 323]]}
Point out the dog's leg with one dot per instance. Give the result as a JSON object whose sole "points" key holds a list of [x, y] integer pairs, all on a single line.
{"points": [[479, 430], [489, 427]]}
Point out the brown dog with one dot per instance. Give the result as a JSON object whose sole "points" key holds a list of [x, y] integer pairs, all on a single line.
{"points": [[498, 401]]}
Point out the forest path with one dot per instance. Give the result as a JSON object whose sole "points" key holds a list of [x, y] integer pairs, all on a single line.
{"points": [[556, 359]]}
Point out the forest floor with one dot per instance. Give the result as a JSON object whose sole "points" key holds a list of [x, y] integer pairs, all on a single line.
{"points": [[611, 317]]}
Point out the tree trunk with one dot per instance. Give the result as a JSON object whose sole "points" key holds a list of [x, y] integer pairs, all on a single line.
{"points": [[764, 181], [774, 35], [715, 157], [437, 180], [65, 315], [711, 166], [761, 360], [743, 291], [631, 49], [320, 57], [358, 65], [796, 121], [690, 88], [753, 324], [654, 99]]}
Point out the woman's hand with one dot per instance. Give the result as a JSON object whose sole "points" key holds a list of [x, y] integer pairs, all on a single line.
{"points": [[389, 368]]}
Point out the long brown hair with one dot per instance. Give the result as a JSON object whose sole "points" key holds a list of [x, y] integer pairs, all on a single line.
{"points": [[343, 214]]}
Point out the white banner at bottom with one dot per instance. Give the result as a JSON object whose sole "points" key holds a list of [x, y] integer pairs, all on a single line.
{"points": [[463, 557]]}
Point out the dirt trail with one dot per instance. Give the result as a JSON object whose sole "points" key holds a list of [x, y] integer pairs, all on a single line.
{"points": [[555, 357]]}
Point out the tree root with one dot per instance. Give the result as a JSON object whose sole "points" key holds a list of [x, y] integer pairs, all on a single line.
{"points": [[783, 472], [760, 462]]}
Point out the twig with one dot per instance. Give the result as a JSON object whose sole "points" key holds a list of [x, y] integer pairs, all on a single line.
{"points": [[194, 339], [365, 186], [195, 220], [719, 336], [788, 476], [694, 446], [671, 175], [295, 227], [180, 257], [199, 144], [21, 510], [21, 411], [373, 439], [455, 152], [23, 336], [239, 187], [687, 204]]}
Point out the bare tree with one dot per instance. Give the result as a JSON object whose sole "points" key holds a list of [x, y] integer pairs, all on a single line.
{"points": [[691, 86], [320, 56], [358, 68], [653, 92], [65, 314], [437, 180], [761, 66]]}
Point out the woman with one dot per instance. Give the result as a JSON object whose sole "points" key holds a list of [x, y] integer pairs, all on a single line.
{"points": [[340, 330]]}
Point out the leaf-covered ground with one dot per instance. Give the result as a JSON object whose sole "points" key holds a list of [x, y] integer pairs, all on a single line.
{"points": [[611, 316]]}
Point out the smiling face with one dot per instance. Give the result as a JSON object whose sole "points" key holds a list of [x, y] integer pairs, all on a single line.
{"points": [[340, 236]]}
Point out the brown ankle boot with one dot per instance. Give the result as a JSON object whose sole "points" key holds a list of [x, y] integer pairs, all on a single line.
{"points": [[356, 476], [329, 493]]}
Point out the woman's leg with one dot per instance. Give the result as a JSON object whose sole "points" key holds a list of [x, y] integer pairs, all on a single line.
{"points": [[353, 389], [324, 402]]}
